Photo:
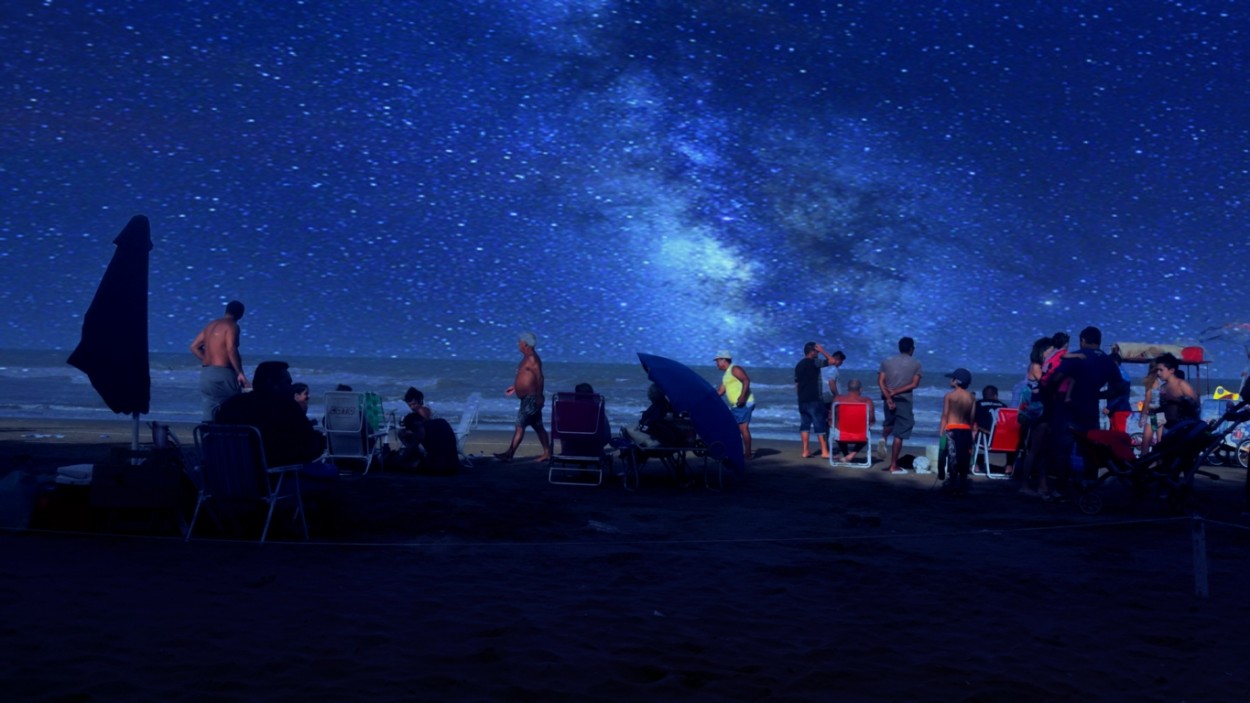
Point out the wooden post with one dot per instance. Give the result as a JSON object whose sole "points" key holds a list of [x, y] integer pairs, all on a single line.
{"points": [[1199, 535]]}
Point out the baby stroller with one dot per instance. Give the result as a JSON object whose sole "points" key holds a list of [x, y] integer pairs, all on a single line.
{"points": [[1233, 450], [1164, 473]]}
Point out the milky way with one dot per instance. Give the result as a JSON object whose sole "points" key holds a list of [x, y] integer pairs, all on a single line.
{"points": [[424, 179]]}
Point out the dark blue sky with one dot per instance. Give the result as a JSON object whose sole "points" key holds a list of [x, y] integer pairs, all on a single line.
{"points": [[424, 179]]}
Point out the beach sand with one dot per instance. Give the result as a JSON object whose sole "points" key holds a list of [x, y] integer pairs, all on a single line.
{"points": [[801, 583]]}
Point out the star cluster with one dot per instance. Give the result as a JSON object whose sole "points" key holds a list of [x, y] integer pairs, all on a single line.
{"points": [[424, 179]]}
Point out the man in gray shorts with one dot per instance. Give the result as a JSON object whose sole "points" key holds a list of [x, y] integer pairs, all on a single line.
{"points": [[528, 387], [898, 376], [221, 372]]}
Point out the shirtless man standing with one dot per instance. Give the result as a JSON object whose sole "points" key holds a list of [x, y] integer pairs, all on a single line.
{"points": [[528, 386], [217, 348], [956, 427]]}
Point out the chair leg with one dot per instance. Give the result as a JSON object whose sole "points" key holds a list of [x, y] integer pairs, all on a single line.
{"points": [[631, 478], [194, 516], [299, 504], [273, 502]]}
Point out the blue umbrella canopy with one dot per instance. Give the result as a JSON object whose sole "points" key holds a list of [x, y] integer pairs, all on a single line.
{"points": [[113, 351], [691, 393]]}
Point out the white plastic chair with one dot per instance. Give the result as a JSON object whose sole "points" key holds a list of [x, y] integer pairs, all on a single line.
{"points": [[348, 435]]}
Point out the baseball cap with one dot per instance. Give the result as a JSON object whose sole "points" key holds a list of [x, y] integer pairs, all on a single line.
{"points": [[962, 376]]}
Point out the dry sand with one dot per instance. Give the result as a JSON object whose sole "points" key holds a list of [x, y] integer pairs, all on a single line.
{"points": [[800, 584]]}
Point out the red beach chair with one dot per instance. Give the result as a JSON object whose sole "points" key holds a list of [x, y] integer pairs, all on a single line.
{"points": [[1004, 436], [850, 424]]}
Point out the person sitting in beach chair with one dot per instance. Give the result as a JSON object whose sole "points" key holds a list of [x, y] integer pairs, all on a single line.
{"points": [[853, 417], [579, 435], [985, 407], [285, 432], [984, 418], [657, 424], [660, 434], [579, 442]]}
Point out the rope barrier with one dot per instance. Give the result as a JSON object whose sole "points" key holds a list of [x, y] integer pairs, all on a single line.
{"points": [[857, 536], [1197, 537]]}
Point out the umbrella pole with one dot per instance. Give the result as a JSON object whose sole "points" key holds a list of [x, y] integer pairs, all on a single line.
{"points": [[134, 437]]}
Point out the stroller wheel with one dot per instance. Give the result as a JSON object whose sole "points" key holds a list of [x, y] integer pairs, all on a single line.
{"points": [[1243, 453], [1217, 457], [1090, 503]]}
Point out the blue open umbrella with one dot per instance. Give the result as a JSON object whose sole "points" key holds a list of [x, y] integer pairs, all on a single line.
{"points": [[692, 394], [113, 351]]}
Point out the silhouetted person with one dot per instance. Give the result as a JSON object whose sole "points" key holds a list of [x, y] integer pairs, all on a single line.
{"points": [[217, 348]]}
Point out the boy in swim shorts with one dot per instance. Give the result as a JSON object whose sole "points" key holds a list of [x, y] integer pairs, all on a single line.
{"points": [[956, 427]]}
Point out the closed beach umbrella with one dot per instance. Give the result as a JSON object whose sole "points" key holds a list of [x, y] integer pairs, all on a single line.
{"points": [[691, 393], [113, 351], [1235, 332]]}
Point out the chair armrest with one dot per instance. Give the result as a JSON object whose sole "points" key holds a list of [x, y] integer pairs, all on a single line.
{"points": [[285, 469]]}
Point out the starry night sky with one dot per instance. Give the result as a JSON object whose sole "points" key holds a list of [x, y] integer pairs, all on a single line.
{"points": [[425, 179]]}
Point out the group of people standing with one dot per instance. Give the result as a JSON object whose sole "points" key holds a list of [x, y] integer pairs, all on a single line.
{"points": [[1064, 398], [816, 389], [1061, 398]]}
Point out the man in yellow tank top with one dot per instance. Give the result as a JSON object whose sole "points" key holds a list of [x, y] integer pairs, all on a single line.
{"points": [[735, 386]]}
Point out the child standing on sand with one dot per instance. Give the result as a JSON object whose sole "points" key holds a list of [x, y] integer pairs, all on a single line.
{"points": [[956, 427]]}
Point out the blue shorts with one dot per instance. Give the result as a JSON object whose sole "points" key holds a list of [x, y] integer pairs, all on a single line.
{"points": [[742, 415], [813, 417]]}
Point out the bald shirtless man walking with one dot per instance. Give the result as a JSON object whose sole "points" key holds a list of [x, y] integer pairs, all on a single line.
{"points": [[528, 386], [217, 348]]}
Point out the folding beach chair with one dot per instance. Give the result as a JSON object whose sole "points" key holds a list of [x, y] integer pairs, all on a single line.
{"points": [[468, 421], [233, 471], [850, 424], [579, 428], [1004, 436], [349, 433]]}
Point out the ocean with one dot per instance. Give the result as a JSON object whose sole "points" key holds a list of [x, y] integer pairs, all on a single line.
{"points": [[36, 384]]}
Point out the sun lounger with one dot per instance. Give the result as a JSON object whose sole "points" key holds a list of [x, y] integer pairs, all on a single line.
{"points": [[636, 447]]}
